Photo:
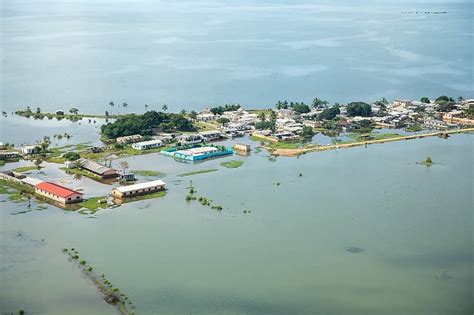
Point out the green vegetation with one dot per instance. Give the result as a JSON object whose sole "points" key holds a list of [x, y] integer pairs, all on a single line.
{"points": [[299, 108], [219, 110], [329, 113], [359, 109], [232, 164], [71, 156], [78, 171], [359, 137], [131, 124], [24, 169], [148, 173], [307, 132], [427, 162], [414, 128], [112, 295], [199, 172], [425, 100], [94, 204]]}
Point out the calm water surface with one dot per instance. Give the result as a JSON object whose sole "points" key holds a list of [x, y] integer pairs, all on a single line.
{"points": [[288, 256], [192, 54]]}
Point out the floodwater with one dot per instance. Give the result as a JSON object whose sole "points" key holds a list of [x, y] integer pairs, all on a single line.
{"points": [[287, 256], [193, 54]]}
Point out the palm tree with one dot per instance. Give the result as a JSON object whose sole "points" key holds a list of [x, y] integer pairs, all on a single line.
{"points": [[146, 107], [112, 105], [164, 107], [262, 116]]}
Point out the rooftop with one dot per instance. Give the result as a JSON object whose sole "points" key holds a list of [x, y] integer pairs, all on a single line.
{"points": [[138, 186], [56, 189]]}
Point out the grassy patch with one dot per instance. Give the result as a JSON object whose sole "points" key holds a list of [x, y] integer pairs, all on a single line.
{"points": [[26, 168], [93, 203], [79, 171], [232, 164], [148, 173], [372, 136], [2, 162], [199, 172], [17, 197], [284, 145]]}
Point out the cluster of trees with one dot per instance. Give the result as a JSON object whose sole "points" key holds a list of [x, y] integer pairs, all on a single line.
{"points": [[219, 110], [329, 113], [359, 109], [267, 124], [71, 156], [299, 108], [143, 124]]}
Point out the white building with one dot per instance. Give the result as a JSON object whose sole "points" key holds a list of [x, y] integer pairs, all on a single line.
{"points": [[145, 145], [30, 149]]}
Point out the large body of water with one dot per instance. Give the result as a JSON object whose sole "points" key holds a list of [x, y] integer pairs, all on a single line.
{"points": [[192, 54], [288, 256]]}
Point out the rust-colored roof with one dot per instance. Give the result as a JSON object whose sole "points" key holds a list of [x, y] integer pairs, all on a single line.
{"points": [[56, 189]]}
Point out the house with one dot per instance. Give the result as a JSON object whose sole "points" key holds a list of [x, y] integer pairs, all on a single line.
{"points": [[197, 153], [190, 139], [138, 189], [127, 177], [98, 169], [58, 193], [402, 103], [30, 149], [31, 181], [242, 147], [94, 150], [129, 139], [145, 145], [69, 164], [206, 117], [5, 155], [211, 135]]}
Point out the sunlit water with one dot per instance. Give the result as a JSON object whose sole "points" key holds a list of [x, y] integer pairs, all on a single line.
{"points": [[288, 256], [192, 54]]}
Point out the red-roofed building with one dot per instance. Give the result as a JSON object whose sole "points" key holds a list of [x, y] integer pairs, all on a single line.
{"points": [[58, 193]]}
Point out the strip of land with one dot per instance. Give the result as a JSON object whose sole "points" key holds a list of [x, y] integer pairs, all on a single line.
{"points": [[296, 152]]}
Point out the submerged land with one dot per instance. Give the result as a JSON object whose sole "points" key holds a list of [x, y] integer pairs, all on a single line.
{"points": [[215, 142]]}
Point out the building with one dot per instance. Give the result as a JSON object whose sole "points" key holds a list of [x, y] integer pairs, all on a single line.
{"points": [[31, 181], [98, 169], [206, 117], [69, 164], [211, 135], [190, 139], [145, 145], [58, 193], [201, 153], [5, 155], [127, 177], [138, 189], [402, 103], [129, 139], [30, 149], [242, 147]]}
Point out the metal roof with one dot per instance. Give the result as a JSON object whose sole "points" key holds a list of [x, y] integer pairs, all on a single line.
{"points": [[144, 185]]}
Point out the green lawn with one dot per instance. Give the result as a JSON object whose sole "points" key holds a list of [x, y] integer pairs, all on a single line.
{"points": [[26, 168], [232, 164], [93, 204], [148, 173], [199, 172], [79, 171]]}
